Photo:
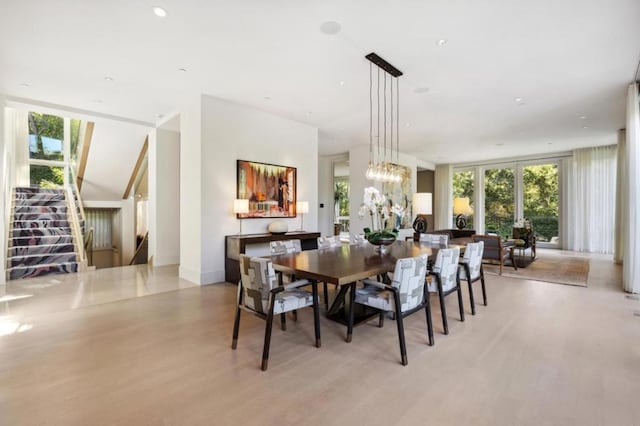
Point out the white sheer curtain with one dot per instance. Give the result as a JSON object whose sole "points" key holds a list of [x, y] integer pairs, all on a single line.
{"points": [[592, 200], [631, 190], [443, 197], [620, 234]]}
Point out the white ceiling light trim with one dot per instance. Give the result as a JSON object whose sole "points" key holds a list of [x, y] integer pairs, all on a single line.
{"points": [[158, 11]]}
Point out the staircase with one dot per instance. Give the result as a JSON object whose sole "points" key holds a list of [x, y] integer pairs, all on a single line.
{"points": [[41, 241]]}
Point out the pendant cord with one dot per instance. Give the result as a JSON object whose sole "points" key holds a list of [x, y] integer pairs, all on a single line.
{"points": [[391, 132], [378, 117], [385, 118], [398, 120], [370, 113]]}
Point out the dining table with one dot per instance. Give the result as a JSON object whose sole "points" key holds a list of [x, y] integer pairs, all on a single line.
{"points": [[345, 265]]}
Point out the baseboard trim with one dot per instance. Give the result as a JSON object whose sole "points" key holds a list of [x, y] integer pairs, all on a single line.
{"points": [[201, 278]]}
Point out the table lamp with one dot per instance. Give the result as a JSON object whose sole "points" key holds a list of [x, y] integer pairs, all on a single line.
{"points": [[240, 207], [462, 209], [422, 206], [302, 207]]}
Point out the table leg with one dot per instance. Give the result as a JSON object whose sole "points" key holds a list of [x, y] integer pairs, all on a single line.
{"points": [[352, 300]]}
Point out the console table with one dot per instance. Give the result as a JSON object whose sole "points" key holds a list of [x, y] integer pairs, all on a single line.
{"points": [[235, 245]]}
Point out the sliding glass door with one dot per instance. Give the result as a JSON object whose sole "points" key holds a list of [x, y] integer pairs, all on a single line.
{"points": [[541, 201], [499, 201]]}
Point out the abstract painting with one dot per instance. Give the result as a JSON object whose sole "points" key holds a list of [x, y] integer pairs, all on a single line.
{"points": [[270, 189]]}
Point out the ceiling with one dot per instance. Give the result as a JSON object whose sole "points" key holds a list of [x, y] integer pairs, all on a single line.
{"points": [[565, 59]]}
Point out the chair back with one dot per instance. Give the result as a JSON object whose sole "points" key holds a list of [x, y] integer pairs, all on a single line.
{"points": [[285, 247], [408, 278], [258, 279], [446, 264], [328, 242], [441, 239], [492, 246], [473, 257]]}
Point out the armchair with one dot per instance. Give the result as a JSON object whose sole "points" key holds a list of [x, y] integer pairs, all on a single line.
{"points": [[494, 250], [260, 294], [404, 296]]}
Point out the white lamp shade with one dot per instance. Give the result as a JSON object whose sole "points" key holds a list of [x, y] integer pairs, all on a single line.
{"points": [[461, 206], [241, 206], [302, 207], [422, 203]]}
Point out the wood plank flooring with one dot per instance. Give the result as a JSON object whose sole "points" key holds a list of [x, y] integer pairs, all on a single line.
{"points": [[539, 354]]}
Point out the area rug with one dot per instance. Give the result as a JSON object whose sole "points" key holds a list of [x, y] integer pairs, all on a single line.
{"points": [[559, 269]]}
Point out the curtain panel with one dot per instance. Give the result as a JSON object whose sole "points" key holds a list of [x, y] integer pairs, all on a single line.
{"points": [[631, 191], [591, 200]]}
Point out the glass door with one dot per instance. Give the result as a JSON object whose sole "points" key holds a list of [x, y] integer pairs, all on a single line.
{"points": [[541, 201], [499, 201]]}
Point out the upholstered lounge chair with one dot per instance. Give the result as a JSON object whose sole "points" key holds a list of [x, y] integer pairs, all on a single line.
{"points": [[494, 251]]}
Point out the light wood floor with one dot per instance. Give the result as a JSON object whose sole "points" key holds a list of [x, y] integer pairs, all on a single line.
{"points": [[539, 354]]}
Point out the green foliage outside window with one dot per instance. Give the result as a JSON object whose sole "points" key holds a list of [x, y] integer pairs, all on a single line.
{"points": [[341, 196], [463, 188]]}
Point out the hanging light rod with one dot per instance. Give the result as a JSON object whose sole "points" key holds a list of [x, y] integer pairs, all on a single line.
{"points": [[373, 57]]}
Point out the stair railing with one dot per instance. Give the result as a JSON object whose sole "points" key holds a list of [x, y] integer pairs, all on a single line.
{"points": [[78, 235], [139, 249]]}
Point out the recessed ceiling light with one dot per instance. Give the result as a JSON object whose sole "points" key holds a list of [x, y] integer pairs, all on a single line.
{"points": [[500, 144], [583, 117], [342, 83], [158, 11], [159, 115], [441, 42], [407, 124], [25, 85], [518, 100], [308, 113], [330, 28], [549, 143], [421, 90], [97, 101], [107, 78], [585, 127], [268, 98], [182, 69]]}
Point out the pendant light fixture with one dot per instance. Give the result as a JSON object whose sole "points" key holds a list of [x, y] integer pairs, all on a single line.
{"points": [[381, 162]]}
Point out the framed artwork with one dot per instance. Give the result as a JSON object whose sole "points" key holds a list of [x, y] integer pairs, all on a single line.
{"points": [[401, 193], [270, 189]]}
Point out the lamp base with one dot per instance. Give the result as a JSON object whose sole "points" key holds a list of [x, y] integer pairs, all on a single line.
{"points": [[420, 224], [461, 221]]}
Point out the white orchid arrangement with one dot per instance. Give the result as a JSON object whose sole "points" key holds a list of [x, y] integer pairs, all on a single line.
{"points": [[375, 204]]}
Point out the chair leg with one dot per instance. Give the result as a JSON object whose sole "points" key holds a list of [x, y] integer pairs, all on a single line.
{"points": [[403, 346], [484, 290], [326, 296], [427, 310], [473, 303], [381, 319], [283, 322], [316, 313], [236, 329], [460, 306], [267, 340], [443, 310], [352, 301], [294, 315]]}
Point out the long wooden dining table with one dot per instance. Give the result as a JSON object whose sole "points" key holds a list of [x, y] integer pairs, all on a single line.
{"points": [[344, 266]]}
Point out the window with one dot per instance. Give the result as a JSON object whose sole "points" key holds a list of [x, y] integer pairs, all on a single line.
{"points": [[463, 187], [46, 137], [499, 201], [540, 199]]}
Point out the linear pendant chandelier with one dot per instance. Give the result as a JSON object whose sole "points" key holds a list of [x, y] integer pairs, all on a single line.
{"points": [[381, 166]]}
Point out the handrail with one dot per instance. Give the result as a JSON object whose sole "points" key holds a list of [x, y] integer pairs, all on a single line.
{"points": [[88, 246], [139, 248], [75, 224], [74, 185]]}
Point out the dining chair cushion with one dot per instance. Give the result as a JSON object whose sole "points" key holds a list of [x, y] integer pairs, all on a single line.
{"points": [[446, 264], [408, 278], [285, 247], [442, 239], [472, 257]]}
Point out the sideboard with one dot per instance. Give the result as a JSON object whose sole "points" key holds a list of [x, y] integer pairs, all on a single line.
{"points": [[235, 245]]}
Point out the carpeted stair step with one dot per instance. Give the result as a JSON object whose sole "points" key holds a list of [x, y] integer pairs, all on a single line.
{"points": [[41, 259], [35, 240], [34, 271], [41, 202], [37, 190], [40, 223], [20, 217], [27, 250], [40, 232], [41, 210], [50, 196]]}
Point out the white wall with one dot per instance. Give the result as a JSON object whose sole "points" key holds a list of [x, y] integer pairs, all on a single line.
{"points": [[230, 132], [164, 197], [358, 163], [5, 176]]}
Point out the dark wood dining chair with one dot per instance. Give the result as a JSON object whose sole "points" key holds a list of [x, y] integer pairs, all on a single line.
{"points": [[444, 279], [260, 293], [405, 295]]}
